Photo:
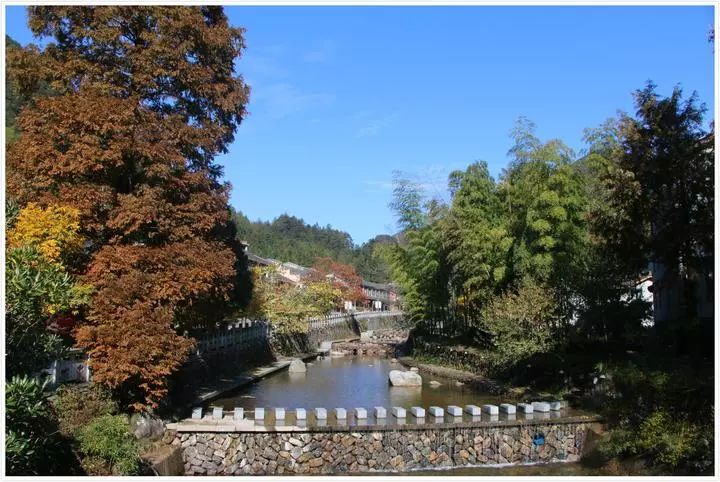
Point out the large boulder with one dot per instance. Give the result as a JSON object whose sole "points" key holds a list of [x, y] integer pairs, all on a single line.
{"points": [[404, 379], [297, 366], [146, 426]]}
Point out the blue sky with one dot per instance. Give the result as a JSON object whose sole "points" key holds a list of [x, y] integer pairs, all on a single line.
{"points": [[343, 96]]}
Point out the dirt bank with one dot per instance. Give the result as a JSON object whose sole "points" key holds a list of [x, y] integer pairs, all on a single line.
{"points": [[477, 381]]}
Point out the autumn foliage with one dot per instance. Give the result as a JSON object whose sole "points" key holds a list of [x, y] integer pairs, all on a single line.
{"points": [[144, 98], [52, 231], [289, 306], [342, 276]]}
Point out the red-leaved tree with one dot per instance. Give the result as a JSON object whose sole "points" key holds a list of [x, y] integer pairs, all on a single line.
{"points": [[144, 97], [343, 276]]}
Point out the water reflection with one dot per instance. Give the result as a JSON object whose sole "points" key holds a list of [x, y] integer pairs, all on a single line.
{"points": [[350, 382], [356, 381]]}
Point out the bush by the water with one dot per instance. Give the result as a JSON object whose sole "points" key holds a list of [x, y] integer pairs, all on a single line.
{"points": [[109, 446], [665, 416], [519, 322]]}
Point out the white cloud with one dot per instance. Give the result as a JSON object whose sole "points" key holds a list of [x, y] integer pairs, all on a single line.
{"points": [[323, 54], [261, 66], [379, 184], [282, 99], [374, 126]]}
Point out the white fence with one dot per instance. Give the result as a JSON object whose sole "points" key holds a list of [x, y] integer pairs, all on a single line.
{"points": [[239, 335], [337, 318], [73, 369]]}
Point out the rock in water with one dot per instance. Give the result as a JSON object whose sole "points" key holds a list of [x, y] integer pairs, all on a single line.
{"points": [[435, 383], [414, 369], [297, 366], [405, 379]]}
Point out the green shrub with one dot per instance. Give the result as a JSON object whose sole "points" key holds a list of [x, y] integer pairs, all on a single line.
{"points": [[78, 405], [520, 322], [664, 416], [36, 289], [108, 438], [32, 444]]}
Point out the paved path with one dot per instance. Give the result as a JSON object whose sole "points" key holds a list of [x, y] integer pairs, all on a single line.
{"points": [[205, 392], [209, 391]]}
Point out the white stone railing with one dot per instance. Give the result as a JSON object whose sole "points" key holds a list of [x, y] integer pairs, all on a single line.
{"points": [[245, 332], [336, 318], [240, 419], [72, 369]]}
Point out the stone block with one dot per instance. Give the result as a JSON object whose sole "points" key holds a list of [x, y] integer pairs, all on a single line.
{"points": [[197, 413], [217, 413], [418, 412], [238, 413], [507, 408], [473, 410], [454, 411], [279, 413], [340, 413], [436, 412], [490, 409], [259, 414], [321, 414], [398, 412], [525, 408], [300, 414], [556, 405], [360, 413], [297, 366], [404, 379], [380, 412], [541, 407]]}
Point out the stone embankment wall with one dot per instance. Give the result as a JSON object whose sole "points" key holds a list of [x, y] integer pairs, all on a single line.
{"points": [[457, 357], [378, 450], [381, 342], [336, 328], [247, 343]]}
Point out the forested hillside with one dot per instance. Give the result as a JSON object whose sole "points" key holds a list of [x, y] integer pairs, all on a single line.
{"points": [[288, 238]]}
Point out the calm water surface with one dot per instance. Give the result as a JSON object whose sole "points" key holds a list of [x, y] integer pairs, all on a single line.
{"points": [[556, 469], [359, 381], [349, 382]]}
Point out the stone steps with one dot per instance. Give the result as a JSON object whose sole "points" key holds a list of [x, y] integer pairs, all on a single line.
{"points": [[282, 418]]}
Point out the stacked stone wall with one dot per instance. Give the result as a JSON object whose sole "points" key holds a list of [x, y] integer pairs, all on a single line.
{"points": [[365, 451]]}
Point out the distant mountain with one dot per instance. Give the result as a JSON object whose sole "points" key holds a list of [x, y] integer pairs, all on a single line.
{"points": [[288, 238]]}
